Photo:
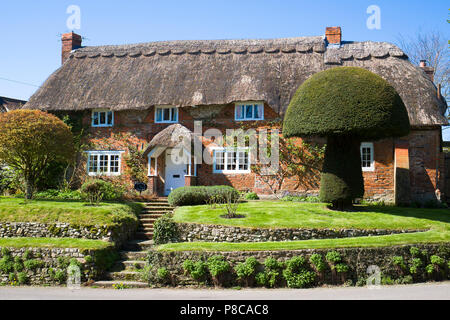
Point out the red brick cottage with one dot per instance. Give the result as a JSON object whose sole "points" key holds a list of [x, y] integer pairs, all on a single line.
{"points": [[152, 90]]}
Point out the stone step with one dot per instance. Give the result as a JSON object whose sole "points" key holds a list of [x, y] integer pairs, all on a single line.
{"points": [[134, 255], [157, 209], [133, 264], [148, 220], [144, 235], [146, 226], [150, 215], [125, 284], [138, 245], [124, 275]]}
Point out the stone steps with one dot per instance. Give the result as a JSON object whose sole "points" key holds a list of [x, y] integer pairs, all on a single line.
{"points": [[124, 275], [138, 245], [133, 255]]}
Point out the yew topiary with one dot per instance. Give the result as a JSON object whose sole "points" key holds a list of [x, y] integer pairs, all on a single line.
{"points": [[347, 105]]}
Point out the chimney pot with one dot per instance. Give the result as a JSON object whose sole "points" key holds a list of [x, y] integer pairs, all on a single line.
{"points": [[428, 70], [333, 35], [423, 63], [70, 41]]}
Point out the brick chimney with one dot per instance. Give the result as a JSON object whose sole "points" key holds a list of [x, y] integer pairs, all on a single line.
{"points": [[333, 35], [428, 70], [70, 41]]}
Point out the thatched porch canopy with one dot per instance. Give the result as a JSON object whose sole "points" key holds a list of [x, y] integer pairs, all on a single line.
{"points": [[188, 73], [170, 137]]}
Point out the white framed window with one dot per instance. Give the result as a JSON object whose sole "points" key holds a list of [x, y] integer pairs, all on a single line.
{"points": [[231, 160], [367, 156], [104, 163], [249, 111], [102, 118], [166, 114]]}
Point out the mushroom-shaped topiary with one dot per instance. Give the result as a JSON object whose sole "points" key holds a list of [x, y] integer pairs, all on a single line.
{"points": [[347, 105]]}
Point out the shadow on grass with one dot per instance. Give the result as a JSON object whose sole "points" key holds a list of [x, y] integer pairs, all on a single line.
{"points": [[441, 215]]}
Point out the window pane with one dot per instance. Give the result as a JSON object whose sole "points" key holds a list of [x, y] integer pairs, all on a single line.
{"points": [[102, 118], [239, 112], [243, 160], [158, 114], [231, 160], [92, 163], [103, 163], [258, 111], [248, 111], [114, 164], [110, 117], [220, 160], [95, 116], [174, 114], [166, 114]]}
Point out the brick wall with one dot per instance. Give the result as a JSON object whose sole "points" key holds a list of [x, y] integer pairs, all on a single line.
{"points": [[138, 127]]}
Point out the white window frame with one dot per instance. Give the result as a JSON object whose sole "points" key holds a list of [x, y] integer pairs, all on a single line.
{"points": [[102, 153], [167, 107], [106, 117], [368, 145], [252, 103], [225, 161]]}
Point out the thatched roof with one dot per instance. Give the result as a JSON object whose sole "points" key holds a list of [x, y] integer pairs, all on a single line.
{"points": [[187, 73], [170, 137], [9, 104]]}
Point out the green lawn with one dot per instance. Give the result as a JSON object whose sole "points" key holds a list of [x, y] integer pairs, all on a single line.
{"points": [[80, 213], [280, 214], [53, 243], [283, 214]]}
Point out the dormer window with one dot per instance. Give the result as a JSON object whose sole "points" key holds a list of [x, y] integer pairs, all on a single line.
{"points": [[166, 114], [249, 111], [102, 118]]}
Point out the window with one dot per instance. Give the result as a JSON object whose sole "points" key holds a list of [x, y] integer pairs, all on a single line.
{"points": [[249, 111], [231, 161], [166, 115], [367, 156], [102, 118], [104, 162]]}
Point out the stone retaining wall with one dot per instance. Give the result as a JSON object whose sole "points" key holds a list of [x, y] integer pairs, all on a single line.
{"points": [[117, 234], [93, 264], [357, 259], [189, 232]]}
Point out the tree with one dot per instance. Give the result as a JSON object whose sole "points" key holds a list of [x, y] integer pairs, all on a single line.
{"points": [[346, 105], [433, 48], [30, 140]]}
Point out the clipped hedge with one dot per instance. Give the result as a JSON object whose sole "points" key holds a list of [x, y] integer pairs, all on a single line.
{"points": [[198, 195]]}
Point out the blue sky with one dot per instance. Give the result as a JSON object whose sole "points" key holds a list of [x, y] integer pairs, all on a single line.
{"points": [[30, 47]]}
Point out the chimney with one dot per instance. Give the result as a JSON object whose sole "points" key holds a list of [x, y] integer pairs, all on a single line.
{"points": [[333, 35], [70, 41], [428, 70]]}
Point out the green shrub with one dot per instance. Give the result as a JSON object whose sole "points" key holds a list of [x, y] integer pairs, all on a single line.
{"points": [[197, 270], [5, 252], [18, 264], [399, 262], [416, 263], [96, 190], [436, 260], [22, 278], [199, 195], [165, 230], [317, 261], [341, 268], [251, 196], [33, 264], [333, 257], [218, 267], [271, 276], [312, 199], [296, 273], [246, 271], [163, 276], [51, 194], [6, 264]]}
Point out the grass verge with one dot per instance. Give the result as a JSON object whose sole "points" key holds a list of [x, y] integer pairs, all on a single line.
{"points": [[79, 213]]}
